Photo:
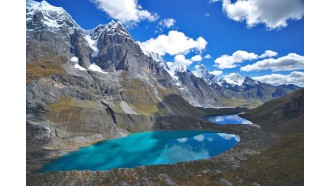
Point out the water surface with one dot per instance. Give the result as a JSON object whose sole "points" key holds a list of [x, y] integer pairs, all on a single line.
{"points": [[146, 148], [228, 119]]}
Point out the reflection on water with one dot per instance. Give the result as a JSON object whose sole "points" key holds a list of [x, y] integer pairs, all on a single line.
{"points": [[228, 119], [146, 148]]}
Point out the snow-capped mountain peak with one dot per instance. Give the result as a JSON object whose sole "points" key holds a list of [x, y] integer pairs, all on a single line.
{"points": [[234, 79], [43, 15], [201, 71], [43, 5]]}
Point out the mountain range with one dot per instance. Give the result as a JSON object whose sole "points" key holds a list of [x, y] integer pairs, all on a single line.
{"points": [[89, 85]]}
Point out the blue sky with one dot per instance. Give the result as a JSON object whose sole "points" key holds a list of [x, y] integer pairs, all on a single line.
{"points": [[225, 26]]}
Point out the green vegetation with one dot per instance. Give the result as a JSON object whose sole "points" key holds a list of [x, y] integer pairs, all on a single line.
{"points": [[280, 164], [44, 67], [66, 109], [137, 94]]}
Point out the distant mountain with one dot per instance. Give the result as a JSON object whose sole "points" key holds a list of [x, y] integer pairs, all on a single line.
{"points": [[202, 72], [243, 90]]}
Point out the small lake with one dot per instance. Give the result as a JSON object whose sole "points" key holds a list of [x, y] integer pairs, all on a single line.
{"points": [[146, 148], [228, 119]]}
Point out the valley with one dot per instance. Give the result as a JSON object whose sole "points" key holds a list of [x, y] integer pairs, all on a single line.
{"points": [[90, 87]]}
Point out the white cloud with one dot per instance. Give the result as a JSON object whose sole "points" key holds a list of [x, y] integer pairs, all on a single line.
{"points": [[207, 14], [207, 56], [273, 13], [226, 61], [196, 58], [216, 72], [128, 11], [180, 63], [168, 23], [294, 77], [268, 53], [286, 63], [174, 43]]}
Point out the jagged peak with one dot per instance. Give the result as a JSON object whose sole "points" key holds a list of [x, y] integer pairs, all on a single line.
{"points": [[43, 5], [181, 68], [111, 28], [118, 27], [53, 17], [234, 79], [201, 71]]}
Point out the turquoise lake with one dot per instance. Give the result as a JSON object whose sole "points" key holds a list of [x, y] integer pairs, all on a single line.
{"points": [[228, 119], [146, 148]]}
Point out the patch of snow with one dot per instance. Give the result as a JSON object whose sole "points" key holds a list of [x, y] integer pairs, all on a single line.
{"points": [[201, 71], [53, 17], [234, 79], [51, 22], [172, 74], [79, 67], [178, 84], [46, 6], [92, 44], [179, 67], [94, 67], [32, 4], [197, 73], [74, 59]]}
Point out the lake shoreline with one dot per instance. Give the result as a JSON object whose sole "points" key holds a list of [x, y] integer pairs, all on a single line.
{"points": [[245, 148]]}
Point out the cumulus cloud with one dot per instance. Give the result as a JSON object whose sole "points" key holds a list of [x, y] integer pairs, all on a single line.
{"points": [[273, 13], [226, 61], [268, 53], [286, 63], [174, 43], [207, 56], [216, 72], [180, 63], [168, 23], [295, 77], [128, 11], [196, 58]]}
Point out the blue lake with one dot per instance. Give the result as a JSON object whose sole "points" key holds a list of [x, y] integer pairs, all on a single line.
{"points": [[146, 148], [228, 119]]}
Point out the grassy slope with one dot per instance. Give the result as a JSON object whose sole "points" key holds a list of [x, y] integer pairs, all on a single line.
{"points": [[283, 162], [46, 66]]}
